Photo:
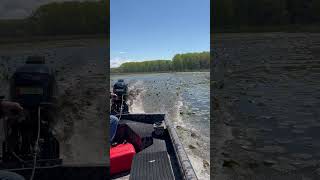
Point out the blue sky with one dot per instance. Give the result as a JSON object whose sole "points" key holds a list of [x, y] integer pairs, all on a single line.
{"points": [[157, 29]]}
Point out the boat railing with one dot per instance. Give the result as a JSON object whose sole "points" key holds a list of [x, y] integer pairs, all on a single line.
{"points": [[185, 164]]}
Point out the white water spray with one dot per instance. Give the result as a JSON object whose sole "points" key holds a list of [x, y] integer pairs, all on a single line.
{"points": [[136, 94]]}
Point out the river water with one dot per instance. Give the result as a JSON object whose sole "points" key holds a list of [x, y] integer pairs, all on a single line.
{"points": [[184, 98]]}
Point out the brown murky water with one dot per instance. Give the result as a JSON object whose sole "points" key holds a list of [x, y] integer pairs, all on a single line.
{"points": [[267, 100]]}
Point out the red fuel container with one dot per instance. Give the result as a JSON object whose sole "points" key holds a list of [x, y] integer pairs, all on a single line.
{"points": [[121, 158]]}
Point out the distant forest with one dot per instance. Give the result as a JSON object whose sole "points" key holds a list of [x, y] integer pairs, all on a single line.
{"points": [[180, 62], [60, 18], [278, 14]]}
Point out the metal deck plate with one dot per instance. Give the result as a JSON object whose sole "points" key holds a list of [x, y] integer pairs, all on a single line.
{"points": [[151, 166]]}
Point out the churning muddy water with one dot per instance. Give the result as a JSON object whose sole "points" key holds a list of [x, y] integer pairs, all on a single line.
{"points": [[266, 106]]}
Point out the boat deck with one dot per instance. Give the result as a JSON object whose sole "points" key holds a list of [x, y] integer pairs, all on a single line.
{"points": [[161, 152]]}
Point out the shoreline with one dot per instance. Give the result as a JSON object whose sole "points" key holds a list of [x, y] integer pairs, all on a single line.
{"points": [[142, 73]]}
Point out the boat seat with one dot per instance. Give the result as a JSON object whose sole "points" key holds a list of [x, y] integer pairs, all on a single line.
{"points": [[138, 134], [143, 129], [151, 166]]}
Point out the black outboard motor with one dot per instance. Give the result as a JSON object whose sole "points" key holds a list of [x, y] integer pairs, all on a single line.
{"points": [[33, 85], [120, 88]]}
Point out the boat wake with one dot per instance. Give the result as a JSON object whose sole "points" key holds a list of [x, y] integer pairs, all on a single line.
{"points": [[135, 99]]}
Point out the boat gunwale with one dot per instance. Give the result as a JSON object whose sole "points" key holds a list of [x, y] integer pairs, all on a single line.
{"points": [[183, 159]]}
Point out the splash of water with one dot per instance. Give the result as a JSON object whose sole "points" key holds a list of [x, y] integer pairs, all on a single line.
{"points": [[136, 94]]}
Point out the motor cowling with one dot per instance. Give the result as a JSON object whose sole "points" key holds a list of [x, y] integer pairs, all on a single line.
{"points": [[33, 83], [120, 88]]}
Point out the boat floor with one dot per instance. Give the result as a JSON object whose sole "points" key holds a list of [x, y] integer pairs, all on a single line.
{"points": [[159, 147]]}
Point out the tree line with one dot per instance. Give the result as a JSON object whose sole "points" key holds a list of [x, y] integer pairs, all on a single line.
{"points": [[60, 18], [235, 14], [180, 62]]}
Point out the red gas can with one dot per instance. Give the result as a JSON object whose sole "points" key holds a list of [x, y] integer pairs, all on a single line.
{"points": [[121, 158]]}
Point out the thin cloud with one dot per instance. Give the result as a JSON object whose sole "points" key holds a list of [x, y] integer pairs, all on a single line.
{"points": [[117, 61]]}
